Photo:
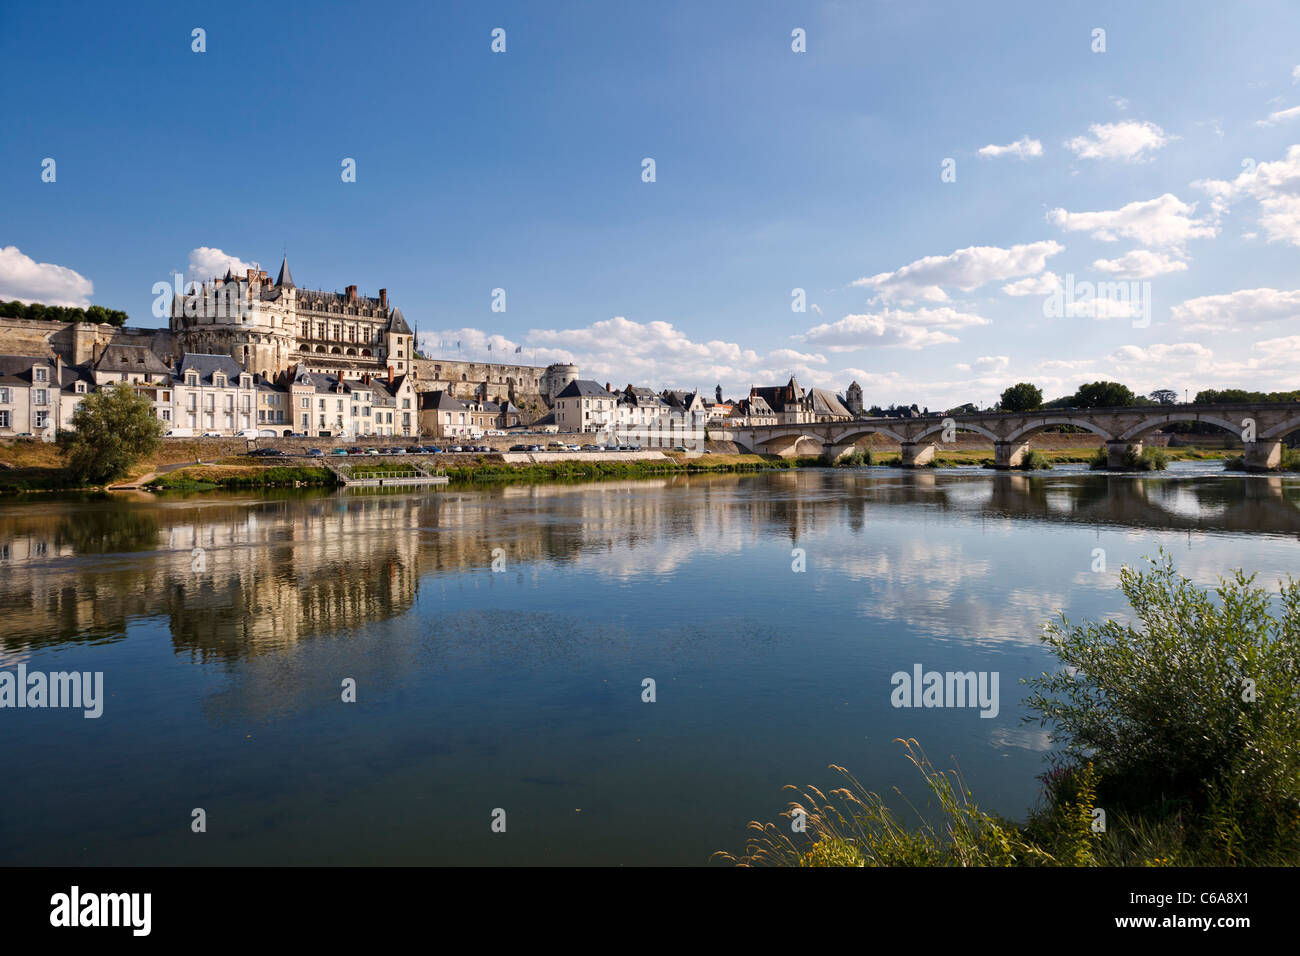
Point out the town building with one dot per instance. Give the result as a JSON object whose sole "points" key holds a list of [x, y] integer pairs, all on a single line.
{"points": [[583, 406]]}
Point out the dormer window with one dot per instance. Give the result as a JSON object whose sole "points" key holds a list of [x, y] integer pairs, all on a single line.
{"points": [[191, 379], [219, 381], [245, 381], [81, 388], [40, 374]]}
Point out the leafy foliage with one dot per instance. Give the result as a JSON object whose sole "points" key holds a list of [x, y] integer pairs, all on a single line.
{"points": [[1192, 709], [59, 313], [1022, 397], [113, 428]]}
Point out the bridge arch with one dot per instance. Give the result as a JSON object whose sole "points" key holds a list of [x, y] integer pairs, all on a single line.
{"points": [[1281, 431], [961, 427], [1151, 424], [1026, 431], [851, 435]]}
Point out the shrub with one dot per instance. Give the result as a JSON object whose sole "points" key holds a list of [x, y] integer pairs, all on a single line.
{"points": [[1193, 711], [858, 458], [1034, 460]]}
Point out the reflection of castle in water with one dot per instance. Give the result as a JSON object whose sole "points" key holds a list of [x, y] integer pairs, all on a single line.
{"points": [[235, 578]]}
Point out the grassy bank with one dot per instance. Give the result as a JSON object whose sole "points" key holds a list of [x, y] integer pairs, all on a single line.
{"points": [[35, 466]]}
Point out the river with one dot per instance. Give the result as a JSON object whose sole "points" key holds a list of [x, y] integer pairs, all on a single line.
{"points": [[227, 625]]}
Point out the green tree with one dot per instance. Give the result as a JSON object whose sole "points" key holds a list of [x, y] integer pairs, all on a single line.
{"points": [[1104, 395], [1022, 397], [1164, 396], [113, 428]]}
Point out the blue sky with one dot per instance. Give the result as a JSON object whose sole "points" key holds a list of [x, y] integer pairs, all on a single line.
{"points": [[1163, 162]]}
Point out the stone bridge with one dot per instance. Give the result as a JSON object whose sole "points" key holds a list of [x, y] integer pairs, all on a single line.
{"points": [[1261, 427]]}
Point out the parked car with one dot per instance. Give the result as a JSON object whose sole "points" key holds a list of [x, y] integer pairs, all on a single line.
{"points": [[414, 450], [355, 451], [372, 451], [265, 453], [432, 450], [338, 451], [679, 448], [212, 434], [180, 433], [534, 447], [316, 452], [519, 448]]}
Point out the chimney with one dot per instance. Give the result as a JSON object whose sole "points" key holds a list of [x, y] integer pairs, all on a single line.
{"points": [[383, 298], [352, 293], [607, 388], [390, 375], [94, 353]]}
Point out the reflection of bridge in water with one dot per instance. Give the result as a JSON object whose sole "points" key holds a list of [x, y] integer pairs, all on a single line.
{"points": [[1261, 426]]}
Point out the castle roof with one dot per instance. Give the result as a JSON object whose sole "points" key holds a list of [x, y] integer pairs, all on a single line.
{"points": [[397, 323], [285, 279]]}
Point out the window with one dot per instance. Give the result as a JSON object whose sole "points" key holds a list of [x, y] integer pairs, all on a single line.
{"points": [[306, 402], [4, 418], [4, 396], [191, 379], [40, 396], [40, 374], [219, 381], [41, 419]]}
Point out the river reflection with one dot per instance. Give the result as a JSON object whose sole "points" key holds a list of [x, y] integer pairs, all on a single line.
{"points": [[225, 625]]}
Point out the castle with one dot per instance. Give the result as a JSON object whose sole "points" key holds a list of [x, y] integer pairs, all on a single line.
{"points": [[273, 328]]}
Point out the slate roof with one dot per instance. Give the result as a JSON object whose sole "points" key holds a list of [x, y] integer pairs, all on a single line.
{"points": [[584, 388], [397, 323], [826, 402], [285, 279], [440, 400], [207, 366], [131, 358]]}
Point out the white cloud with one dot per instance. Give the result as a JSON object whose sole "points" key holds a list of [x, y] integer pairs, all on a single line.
{"points": [[208, 263], [1163, 221], [790, 356], [1128, 140], [1236, 311], [1289, 345], [986, 365], [619, 350], [1280, 116], [1141, 264], [893, 328], [27, 280], [1044, 284], [965, 269], [1274, 185], [1023, 148], [1295, 74], [1185, 353]]}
